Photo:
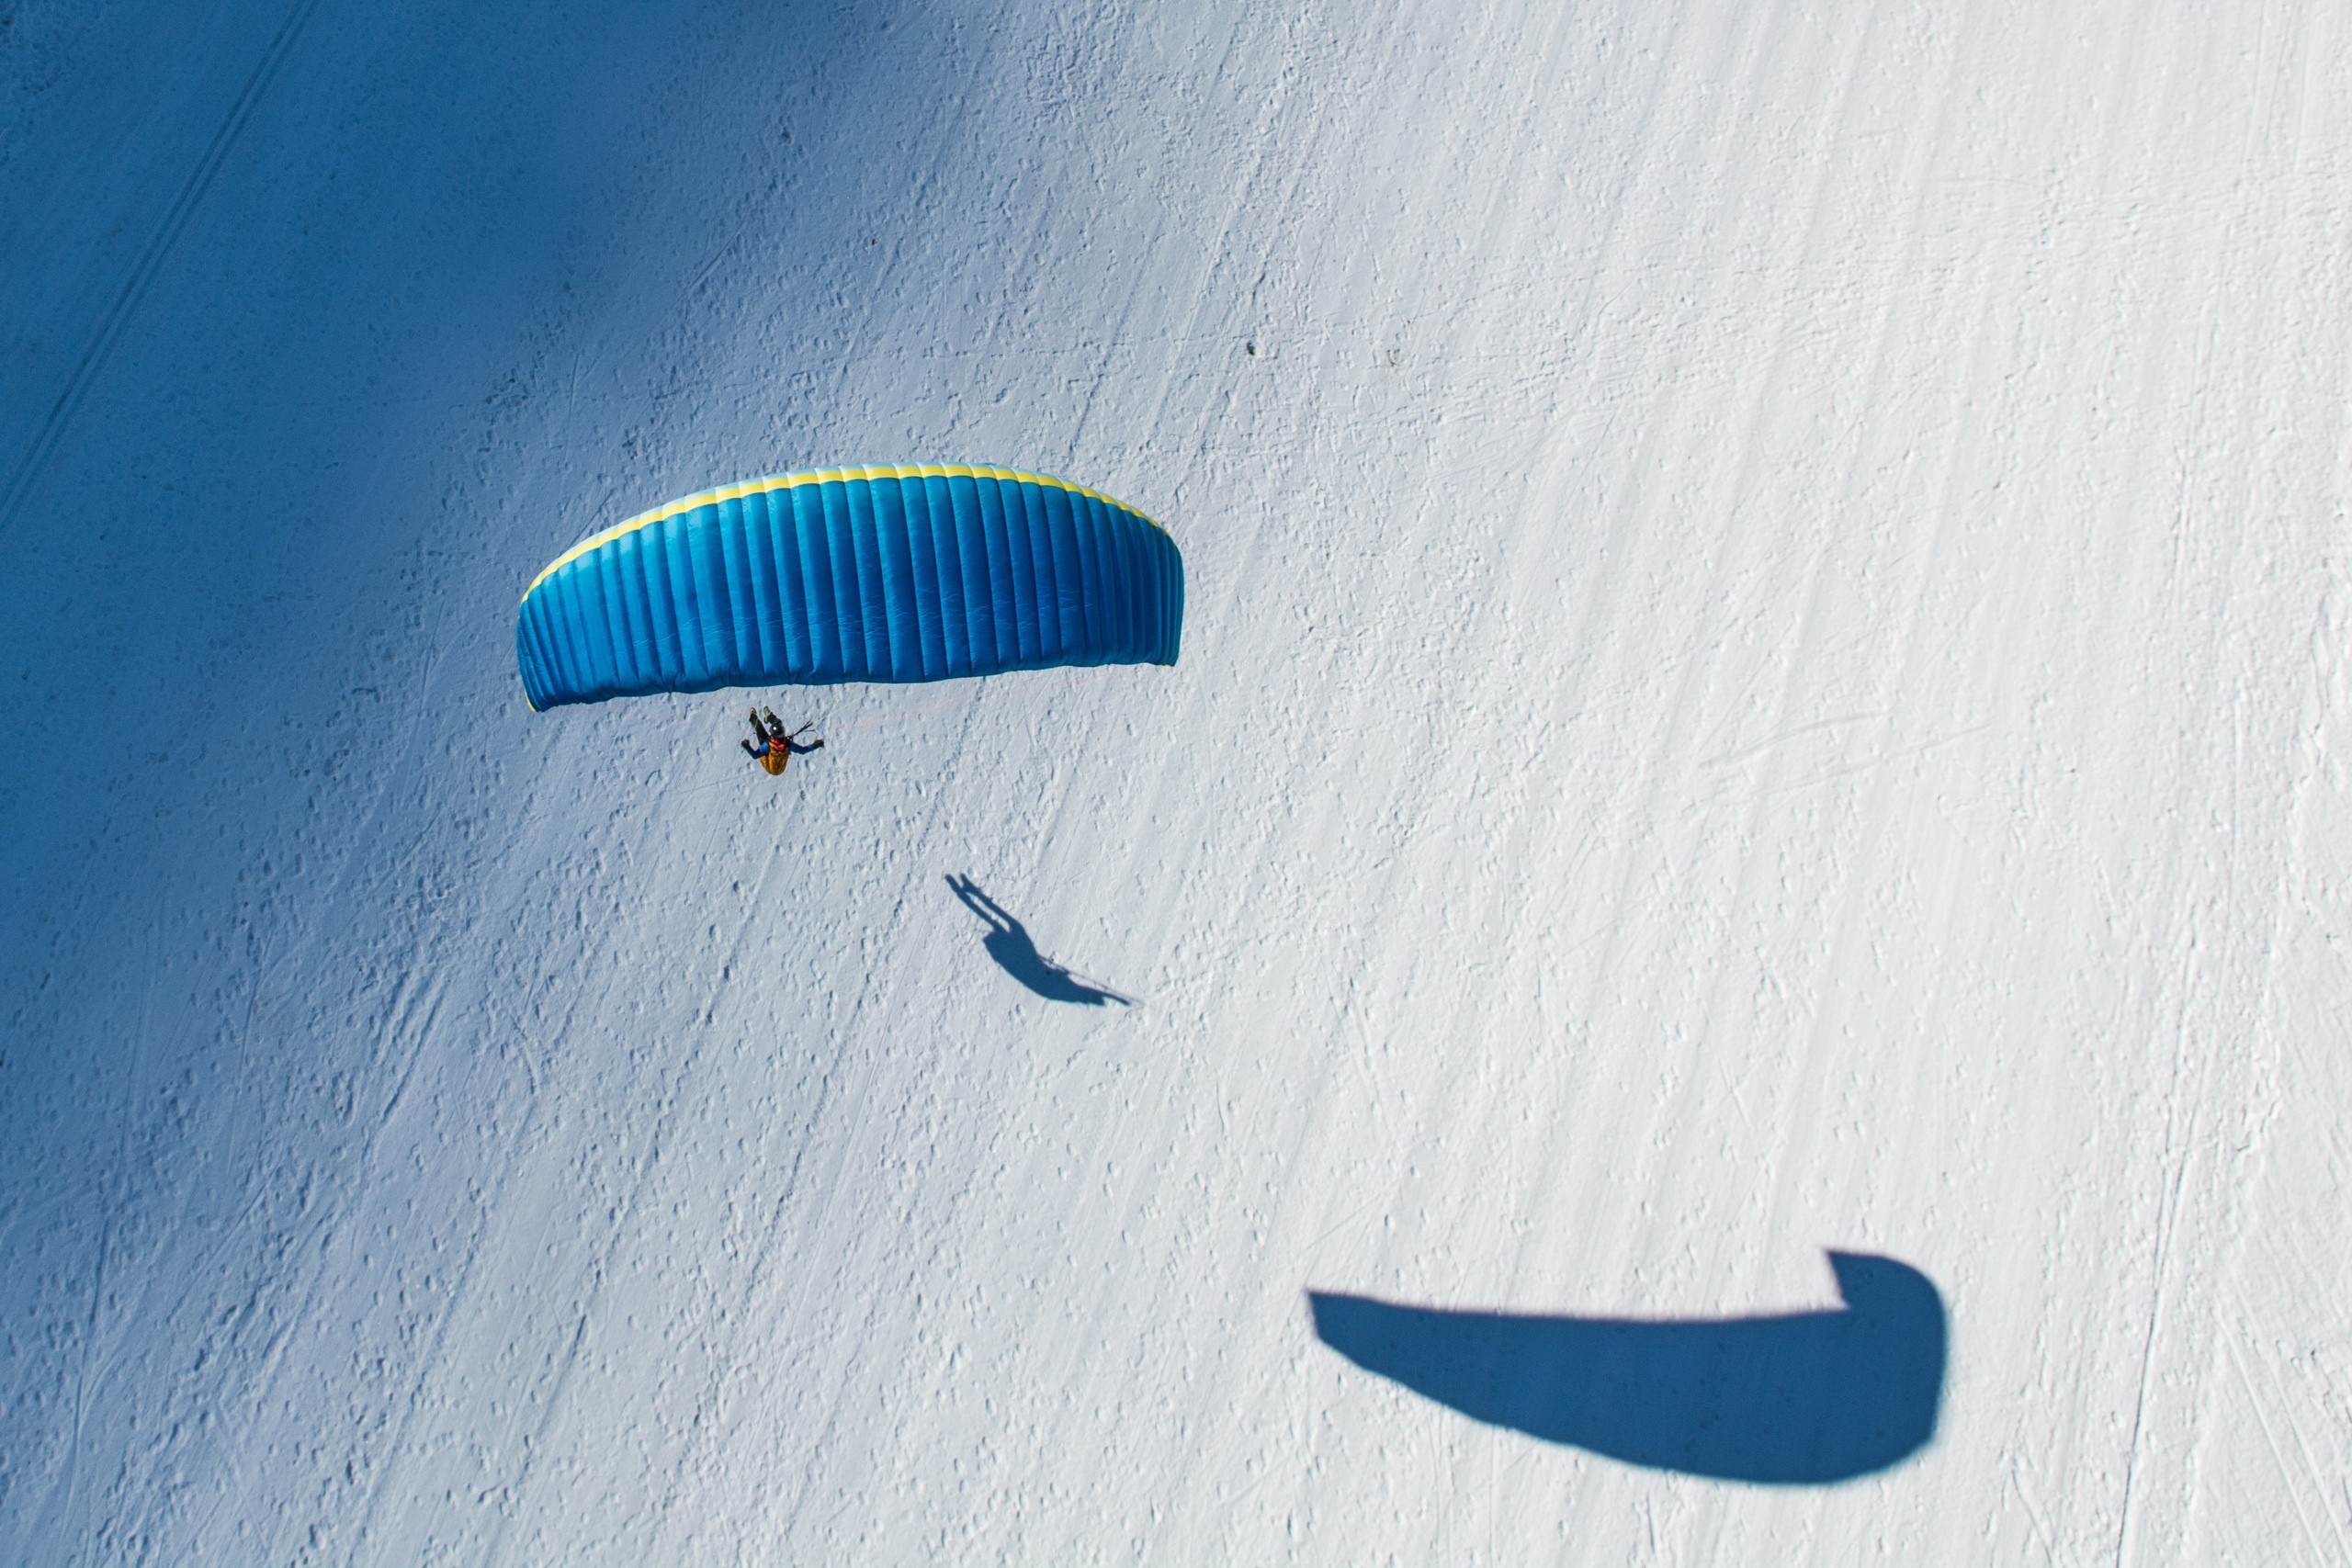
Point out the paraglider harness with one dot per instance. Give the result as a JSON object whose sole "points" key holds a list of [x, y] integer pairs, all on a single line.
{"points": [[775, 748]]}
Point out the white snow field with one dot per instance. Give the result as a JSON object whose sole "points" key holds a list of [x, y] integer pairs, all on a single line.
{"points": [[1767, 671]]}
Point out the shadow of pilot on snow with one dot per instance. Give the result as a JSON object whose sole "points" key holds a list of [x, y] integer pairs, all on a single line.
{"points": [[1007, 942]]}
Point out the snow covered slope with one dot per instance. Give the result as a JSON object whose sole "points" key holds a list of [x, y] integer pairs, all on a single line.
{"points": [[1767, 673]]}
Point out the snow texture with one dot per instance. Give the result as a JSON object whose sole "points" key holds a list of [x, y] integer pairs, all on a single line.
{"points": [[1767, 674]]}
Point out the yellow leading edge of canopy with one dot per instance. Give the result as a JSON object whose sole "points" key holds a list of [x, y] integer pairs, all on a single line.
{"points": [[817, 477]]}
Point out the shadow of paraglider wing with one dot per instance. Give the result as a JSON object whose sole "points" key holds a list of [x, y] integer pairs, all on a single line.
{"points": [[1803, 1398]]}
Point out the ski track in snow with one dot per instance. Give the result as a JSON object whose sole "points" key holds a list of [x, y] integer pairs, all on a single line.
{"points": [[1766, 670]]}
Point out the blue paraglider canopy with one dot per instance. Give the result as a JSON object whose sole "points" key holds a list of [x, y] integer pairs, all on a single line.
{"points": [[912, 573]]}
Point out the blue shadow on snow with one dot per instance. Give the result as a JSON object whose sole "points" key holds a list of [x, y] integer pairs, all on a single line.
{"points": [[1800, 1399], [1007, 942]]}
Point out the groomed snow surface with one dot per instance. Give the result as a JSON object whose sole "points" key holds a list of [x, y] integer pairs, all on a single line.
{"points": [[1768, 672]]}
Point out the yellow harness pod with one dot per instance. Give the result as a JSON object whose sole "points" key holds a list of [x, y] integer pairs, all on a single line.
{"points": [[773, 758]]}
